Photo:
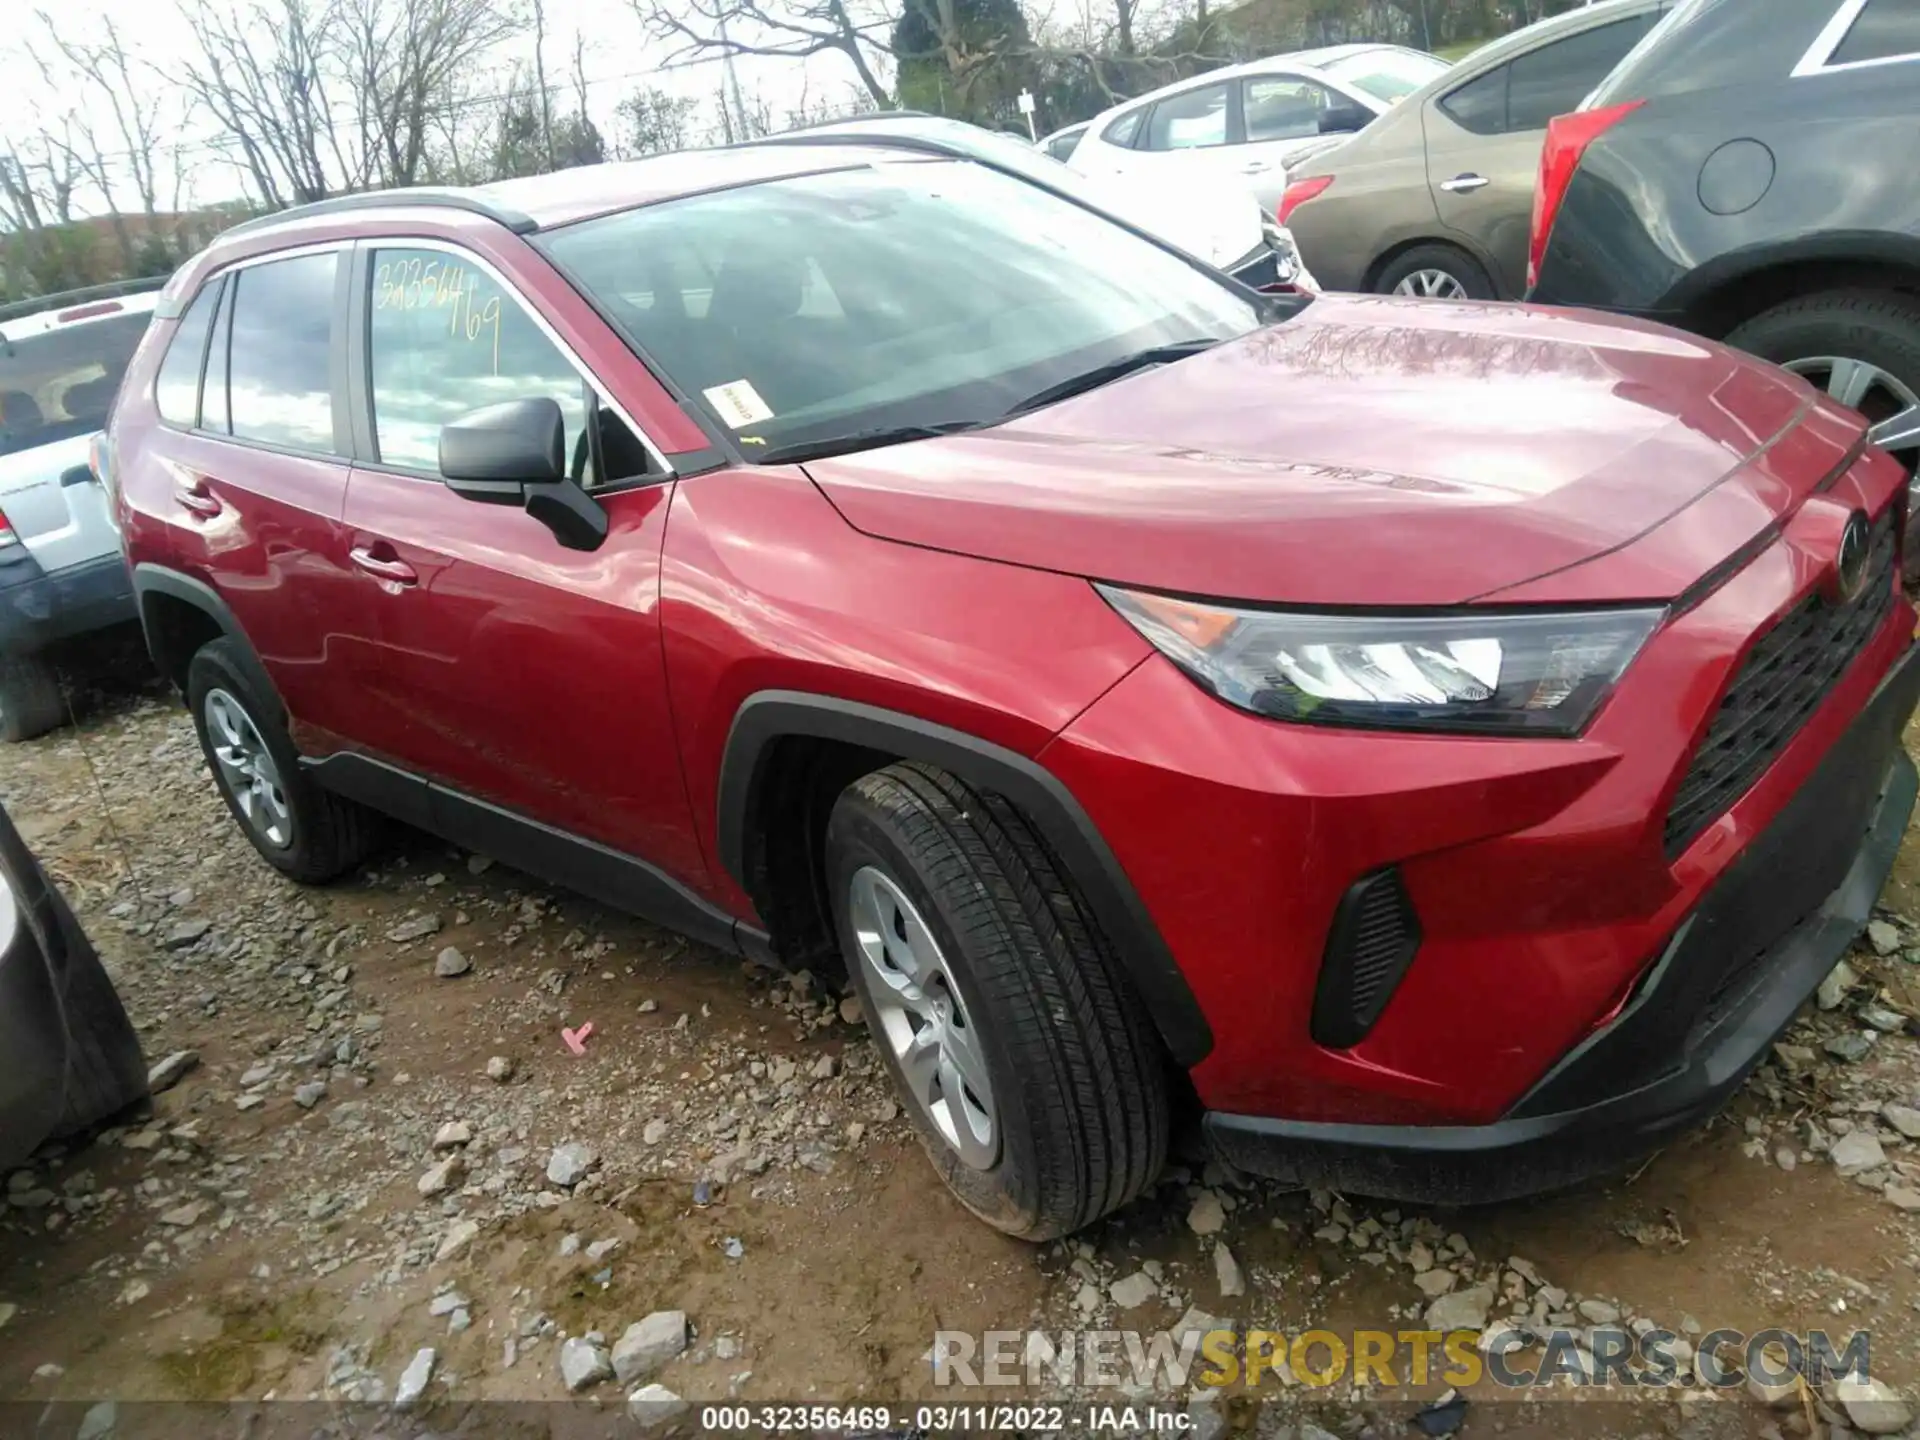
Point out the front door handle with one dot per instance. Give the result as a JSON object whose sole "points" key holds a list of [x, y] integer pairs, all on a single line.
{"points": [[394, 572], [1465, 184], [194, 495], [1256, 167]]}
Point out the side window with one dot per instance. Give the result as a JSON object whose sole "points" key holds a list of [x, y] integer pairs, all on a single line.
{"points": [[213, 390], [1123, 130], [1190, 120], [1283, 107], [1555, 78], [1062, 146], [280, 354], [1885, 30], [1480, 105], [445, 338], [176, 391]]}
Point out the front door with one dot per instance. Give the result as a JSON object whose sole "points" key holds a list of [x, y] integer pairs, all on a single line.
{"points": [[494, 660]]}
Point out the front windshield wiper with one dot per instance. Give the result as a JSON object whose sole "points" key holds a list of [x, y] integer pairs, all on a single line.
{"points": [[857, 440], [1105, 374]]}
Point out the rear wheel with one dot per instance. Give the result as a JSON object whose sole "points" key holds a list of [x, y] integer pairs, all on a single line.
{"points": [[30, 699], [1435, 272], [1860, 346], [1023, 1055], [299, 828]]}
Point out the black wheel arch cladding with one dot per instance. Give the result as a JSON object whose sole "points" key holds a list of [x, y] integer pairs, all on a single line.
{"points": [[771, 715]]}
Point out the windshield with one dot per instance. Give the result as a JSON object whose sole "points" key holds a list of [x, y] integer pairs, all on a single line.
{"points": [[1388, 75], [908, 294], [60, 383]]}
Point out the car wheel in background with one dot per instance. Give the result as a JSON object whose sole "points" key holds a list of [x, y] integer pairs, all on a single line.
{"points": [[1435, 272], [1860, 346], [30, 700], [1863, 348], [299, 828], [1028, 1064]]}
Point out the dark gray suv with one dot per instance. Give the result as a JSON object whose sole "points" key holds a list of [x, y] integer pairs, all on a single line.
{"points": [[1747, 173]]}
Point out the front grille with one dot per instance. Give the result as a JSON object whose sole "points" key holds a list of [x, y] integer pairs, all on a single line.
{"points": [[1790, 670], [1372, 941]]}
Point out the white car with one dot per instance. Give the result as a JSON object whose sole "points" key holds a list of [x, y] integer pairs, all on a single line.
{"points": [[1217, 221], [1244, 123]]}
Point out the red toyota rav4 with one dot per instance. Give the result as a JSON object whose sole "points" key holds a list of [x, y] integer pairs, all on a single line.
{"points": [[1448, 741]]}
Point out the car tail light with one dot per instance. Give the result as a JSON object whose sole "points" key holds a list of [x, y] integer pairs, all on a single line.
{"points": [[7, 537], [1299, 192], [87, 312], [1567, 139]]}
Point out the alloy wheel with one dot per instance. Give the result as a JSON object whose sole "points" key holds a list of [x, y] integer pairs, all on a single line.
{"points": [[1887, 402], [922, 1017], [247, 767], [1431, 285]]}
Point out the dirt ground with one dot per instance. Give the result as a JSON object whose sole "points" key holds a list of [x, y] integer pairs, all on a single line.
{"points": [[269, 1235]]}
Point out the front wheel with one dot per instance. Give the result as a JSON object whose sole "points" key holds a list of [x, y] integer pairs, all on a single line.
{"points": [[1036, 1083]]}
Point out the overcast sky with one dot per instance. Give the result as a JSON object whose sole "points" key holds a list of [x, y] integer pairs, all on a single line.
{"points": [[619, 58]]}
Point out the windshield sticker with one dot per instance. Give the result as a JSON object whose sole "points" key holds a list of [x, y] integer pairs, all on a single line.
{"points": [[739, 403]]}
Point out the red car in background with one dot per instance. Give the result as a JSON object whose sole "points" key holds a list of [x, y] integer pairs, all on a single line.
{"points": [[1448, 740]]}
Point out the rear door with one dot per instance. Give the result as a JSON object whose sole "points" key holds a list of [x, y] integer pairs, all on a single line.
{"points": [[258, 467], [1484, 138], [487, 656]]}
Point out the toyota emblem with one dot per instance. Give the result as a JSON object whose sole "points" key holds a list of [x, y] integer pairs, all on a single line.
{"points": [[1850, 564]]}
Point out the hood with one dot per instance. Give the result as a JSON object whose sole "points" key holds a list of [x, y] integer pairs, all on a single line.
{"points": [[1374, 451]]}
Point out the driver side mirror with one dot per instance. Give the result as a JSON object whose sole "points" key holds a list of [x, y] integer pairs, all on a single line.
{"points": [[516, 454], [1344, 119]]}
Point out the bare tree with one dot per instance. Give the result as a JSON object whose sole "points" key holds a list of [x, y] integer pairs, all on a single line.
{"points": [[139, 111], [411, 60], [789, 29], [261, 73]]}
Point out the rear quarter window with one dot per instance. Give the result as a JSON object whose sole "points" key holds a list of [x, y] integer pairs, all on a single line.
{"points": [[176, 392], [1883, 30], [280, 353]]}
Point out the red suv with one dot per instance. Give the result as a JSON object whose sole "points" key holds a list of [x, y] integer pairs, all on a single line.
{"points": [[1447, 741]]}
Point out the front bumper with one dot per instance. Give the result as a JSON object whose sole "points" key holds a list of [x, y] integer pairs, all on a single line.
{"points": [[38, 608], [1730, 979]]}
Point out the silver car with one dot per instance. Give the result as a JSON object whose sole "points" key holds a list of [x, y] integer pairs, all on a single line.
{"points": [[1435, 198]]}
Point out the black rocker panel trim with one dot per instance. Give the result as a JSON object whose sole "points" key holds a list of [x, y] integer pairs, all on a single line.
{"points": [[774, 714], [596, 871]]}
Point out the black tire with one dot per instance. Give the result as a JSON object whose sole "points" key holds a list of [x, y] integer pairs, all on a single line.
{"points": [[30, 700], [1467, 272], [1878, 327], [106, 1073], [329, 835], [1078, 1079]]}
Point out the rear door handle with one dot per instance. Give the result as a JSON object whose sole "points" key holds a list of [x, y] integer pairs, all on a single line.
{"points": [[194, 496], [395, 572], [1465, 184]]}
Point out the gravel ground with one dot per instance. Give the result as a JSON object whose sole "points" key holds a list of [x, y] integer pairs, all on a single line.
{"points": [[381, 1175]]}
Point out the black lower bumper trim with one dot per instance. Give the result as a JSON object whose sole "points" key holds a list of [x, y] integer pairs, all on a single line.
{"points": [[1699, 1024]]}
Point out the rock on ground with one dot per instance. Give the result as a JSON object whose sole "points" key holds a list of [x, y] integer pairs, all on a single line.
{"points": [[1133, 1291], [460, 1235], [649, 1344], [569, 1165], [1226, 1270], [584, 1364], [1463, 1310], [450, 964], [1208, 1216], [170, 1071], [1873, 1407], [1855, 1152], [654, 1405], [413, 1380]]}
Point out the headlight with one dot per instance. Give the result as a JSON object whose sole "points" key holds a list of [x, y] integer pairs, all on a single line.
{"points": [[1505, 672]]}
